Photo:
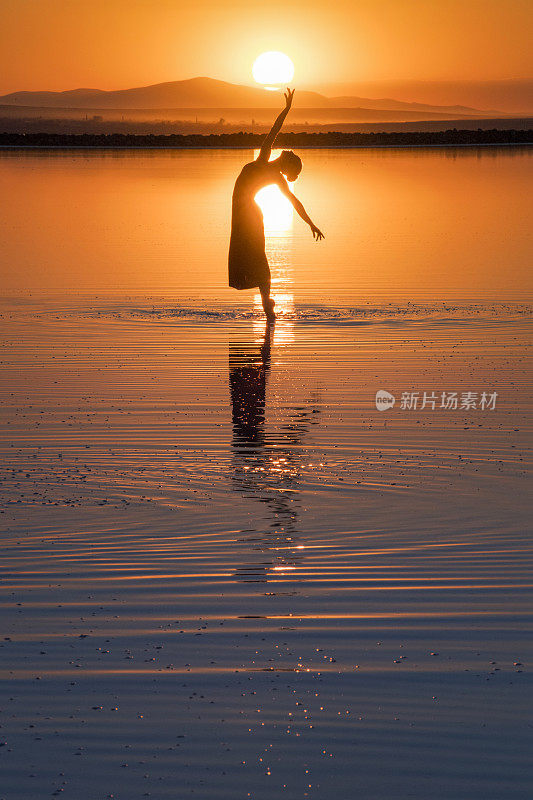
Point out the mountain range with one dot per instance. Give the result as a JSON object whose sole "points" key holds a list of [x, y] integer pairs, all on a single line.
{"points": [[201, 93]]}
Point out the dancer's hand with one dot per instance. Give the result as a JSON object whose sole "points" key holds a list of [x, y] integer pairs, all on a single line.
{"points": [[288, 98], [317, 233]]}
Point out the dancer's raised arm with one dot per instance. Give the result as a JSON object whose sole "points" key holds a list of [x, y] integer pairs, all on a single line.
{"points": [[270, 138]]}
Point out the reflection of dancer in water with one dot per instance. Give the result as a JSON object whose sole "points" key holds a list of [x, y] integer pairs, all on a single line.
{"points": [[247, 379], [266, 468], [248, 265]]}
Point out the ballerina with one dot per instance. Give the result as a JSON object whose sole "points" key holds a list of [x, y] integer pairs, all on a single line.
{"points": [[248, 265]]}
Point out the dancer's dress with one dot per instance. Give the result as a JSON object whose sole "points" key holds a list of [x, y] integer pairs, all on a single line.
{"points": [[247, 261]]}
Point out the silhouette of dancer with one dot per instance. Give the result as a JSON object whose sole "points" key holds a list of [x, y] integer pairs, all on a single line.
{"points": [[248, 265]]}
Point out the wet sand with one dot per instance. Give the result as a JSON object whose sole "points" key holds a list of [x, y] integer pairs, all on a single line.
{"points": [[226, 574]]}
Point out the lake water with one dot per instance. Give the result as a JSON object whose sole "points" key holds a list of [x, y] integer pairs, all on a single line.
{"points": [[225, 572], [442, 222]]}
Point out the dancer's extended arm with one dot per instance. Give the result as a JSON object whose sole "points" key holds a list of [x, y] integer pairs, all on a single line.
{"points": [[298, 206], [270, 138]]}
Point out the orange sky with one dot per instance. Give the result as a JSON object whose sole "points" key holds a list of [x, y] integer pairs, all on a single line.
{"points": [[108, 44]]}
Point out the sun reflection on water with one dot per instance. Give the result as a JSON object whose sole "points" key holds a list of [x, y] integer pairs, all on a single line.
{"points": [[277, 209], [283, 331]]}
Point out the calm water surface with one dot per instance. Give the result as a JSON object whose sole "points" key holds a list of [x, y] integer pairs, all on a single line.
{"points": [[225, 574], [397, 221]]}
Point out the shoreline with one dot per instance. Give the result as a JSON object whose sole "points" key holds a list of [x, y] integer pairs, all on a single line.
{"points": [[244, 147], [247, 141]]}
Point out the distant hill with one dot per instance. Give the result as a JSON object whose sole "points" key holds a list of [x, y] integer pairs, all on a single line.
{"points": [[193, 93], [509, 96], [388, 104], [210, 93]]}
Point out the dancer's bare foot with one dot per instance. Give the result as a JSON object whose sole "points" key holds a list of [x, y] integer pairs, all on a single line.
{"points": [[269, 310]]}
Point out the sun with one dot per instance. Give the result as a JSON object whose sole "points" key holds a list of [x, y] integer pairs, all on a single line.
{"points": [[273, 67]]}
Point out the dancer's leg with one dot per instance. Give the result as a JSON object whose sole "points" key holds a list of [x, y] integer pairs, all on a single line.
{"points": [[268, 302]]}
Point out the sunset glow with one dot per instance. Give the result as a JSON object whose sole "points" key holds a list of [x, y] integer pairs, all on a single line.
{"points": [[367, 41]]}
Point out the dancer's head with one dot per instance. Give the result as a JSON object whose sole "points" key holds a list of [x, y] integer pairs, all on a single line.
{"points": [[290, 164]]}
